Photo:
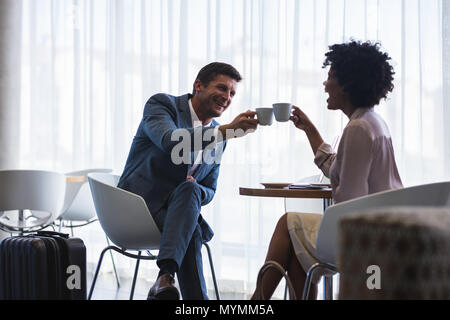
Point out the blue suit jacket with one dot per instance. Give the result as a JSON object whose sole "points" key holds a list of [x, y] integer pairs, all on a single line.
{"points": [[150, 171]]}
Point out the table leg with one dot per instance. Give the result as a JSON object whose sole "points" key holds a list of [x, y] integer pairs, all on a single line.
{"points": [[327, 281], [21, 221], [326, 203]]}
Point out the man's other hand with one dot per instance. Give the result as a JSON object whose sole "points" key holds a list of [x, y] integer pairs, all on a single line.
{"points": [[191, 178]]}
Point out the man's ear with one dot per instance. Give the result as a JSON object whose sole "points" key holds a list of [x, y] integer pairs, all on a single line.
{"points": [[198, 86]]}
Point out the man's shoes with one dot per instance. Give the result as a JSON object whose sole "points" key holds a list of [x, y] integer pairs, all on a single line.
{"points": [[163, 289]]}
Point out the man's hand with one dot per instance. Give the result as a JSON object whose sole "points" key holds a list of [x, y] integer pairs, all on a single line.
{"points": [[191, 178], [241, 125]]}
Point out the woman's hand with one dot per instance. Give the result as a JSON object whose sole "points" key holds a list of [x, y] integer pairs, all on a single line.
{"points": [[300, 119]]}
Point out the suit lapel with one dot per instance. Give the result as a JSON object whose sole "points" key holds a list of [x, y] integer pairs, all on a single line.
{"points": [[204, 167], [185, 120]]}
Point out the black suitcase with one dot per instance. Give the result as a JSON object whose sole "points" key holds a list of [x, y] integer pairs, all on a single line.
{"points": [[45, 265]]}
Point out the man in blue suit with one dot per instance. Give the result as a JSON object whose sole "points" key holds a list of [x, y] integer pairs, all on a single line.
{"points": [[175, 188]]}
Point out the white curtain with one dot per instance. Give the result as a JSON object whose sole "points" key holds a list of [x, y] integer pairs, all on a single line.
{"points": [[88, 68]]}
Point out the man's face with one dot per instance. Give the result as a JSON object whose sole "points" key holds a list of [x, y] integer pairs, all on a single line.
{"points": [[216, 96]]}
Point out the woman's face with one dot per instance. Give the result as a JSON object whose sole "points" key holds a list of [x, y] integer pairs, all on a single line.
{"points": [[337, 98]]}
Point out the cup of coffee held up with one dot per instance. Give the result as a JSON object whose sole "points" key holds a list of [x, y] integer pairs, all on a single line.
{"points": [[282, 111], [264, 116]]}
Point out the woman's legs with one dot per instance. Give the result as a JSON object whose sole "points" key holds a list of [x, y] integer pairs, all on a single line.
{"points": [[281, 251], [298, 279]]}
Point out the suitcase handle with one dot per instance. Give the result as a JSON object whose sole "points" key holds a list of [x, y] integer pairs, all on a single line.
{"points": [[53, 233]]}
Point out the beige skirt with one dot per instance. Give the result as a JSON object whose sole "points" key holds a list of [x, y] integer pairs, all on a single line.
{"points": [[303, 229]]}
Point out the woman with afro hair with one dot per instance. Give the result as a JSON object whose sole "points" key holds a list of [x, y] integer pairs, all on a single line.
{"points": [[359, 77]]}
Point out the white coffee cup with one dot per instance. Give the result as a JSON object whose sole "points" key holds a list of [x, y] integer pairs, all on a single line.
{"points": [[264, 116], [282, 111]]}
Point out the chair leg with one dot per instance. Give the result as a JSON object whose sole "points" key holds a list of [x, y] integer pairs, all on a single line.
{"points": [[71, 228], [308, 281], [285, 291], [328, 287], [96, 271], [135, 275], [216, 288], [113, 264]]}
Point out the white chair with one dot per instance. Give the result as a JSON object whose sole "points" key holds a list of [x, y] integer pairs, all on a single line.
{"points": [[434, 194], [30, 200], [79, 207], [126, 220], [78, 204]]}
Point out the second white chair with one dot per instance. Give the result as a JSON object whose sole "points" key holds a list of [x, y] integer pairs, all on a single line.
{"points": [[79, 206]]}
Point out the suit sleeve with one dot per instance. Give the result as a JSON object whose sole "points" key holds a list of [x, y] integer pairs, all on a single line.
{"points": [[160, 125], [209, 185]]}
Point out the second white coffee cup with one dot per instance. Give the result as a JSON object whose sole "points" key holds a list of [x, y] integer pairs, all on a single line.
{"points": [[282, 111]]}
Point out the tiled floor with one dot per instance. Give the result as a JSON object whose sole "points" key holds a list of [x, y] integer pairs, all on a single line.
{"points": [[106, 289]]}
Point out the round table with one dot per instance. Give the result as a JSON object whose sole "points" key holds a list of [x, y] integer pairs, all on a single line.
{"points": [[324, 194]]}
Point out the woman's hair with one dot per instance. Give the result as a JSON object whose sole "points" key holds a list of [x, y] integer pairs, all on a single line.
{"points": [[362, 70]]}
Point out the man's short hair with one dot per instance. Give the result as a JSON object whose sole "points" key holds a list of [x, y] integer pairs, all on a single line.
{"points": [[212, 70]]}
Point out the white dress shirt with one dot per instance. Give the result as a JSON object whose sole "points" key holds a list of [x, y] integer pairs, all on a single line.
{"points": [[197, 154]]}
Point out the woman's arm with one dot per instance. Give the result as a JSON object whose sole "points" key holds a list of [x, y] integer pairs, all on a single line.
{"points": [[301, 121]]}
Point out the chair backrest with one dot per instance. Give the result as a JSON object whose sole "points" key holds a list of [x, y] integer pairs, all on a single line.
{"points": [[434, 194], [82, 206], [33, 190], [123, 215], [74, 187]]}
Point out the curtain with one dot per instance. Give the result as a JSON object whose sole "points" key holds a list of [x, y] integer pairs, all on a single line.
{"points": [[88, 67], [10, 45]]}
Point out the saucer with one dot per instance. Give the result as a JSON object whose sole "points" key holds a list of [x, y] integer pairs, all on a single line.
{"points": [[279, 185]]}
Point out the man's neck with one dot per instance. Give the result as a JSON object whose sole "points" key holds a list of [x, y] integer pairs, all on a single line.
{"points": [[197, 108]]}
